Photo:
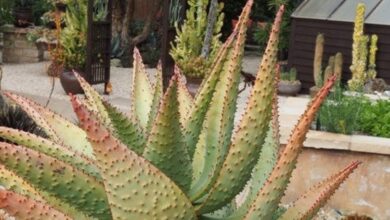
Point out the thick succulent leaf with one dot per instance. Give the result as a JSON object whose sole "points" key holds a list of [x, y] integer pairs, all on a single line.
{"points": [[186, 101], [142, 92], [22, 207], [127, 130], [58, 128], [195, 120], [265, 163], [136, 189], [95, 101], [157, 96], [165, 147], [221, 214], [270, 195], [250, 135], [308, 205], [50, 148], [59, 179], [217, 128], [10, 181]]}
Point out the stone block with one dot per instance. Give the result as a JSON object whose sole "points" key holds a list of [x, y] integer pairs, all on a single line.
{"points": [[10, 59], [369, 144], [327, 140], [30, 52], [8, 43], [23, 43]]}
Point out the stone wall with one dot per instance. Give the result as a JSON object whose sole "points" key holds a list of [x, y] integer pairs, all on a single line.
{"points": [[16, 48]]}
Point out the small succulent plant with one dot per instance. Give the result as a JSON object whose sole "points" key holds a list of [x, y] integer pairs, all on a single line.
{"points": [[175, 157]]}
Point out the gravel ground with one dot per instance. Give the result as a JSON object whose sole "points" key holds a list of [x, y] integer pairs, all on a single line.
{"points": [[32, 80]]}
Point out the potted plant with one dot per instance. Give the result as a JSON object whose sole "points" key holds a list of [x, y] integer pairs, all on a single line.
{"points": [[190, 51], [23, 13], [289, 85], [74, 45]]}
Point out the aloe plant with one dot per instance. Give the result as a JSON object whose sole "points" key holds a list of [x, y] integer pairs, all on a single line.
{"points": [[174, 157]]}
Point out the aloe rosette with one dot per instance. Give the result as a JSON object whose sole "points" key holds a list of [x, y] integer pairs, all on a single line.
{"points": [[174, 157]]}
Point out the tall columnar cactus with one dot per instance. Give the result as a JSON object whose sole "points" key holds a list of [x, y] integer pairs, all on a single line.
{"points": [[360, 72], [186, 161], [317, 65], [338, 66], [334, 67], [187, 49], [360, 67], [371, 72], [358, 33]]}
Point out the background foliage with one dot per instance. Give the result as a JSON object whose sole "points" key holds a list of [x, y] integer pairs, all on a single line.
{"points": [[355, 114], [375, 118]]}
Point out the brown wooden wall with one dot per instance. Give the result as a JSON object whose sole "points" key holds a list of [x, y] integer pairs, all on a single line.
{"points": [[338, 38]]}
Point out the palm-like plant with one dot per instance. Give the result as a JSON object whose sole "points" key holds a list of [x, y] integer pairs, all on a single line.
{"points": [[174, 158]]}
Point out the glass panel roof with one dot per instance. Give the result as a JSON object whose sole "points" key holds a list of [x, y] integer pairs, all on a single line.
{"points": [[316, 9], [381, 15], [346, 12], [377, 11]]}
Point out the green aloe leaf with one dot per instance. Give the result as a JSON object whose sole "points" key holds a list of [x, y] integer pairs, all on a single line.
{"points": [[50, 148], [95, 101], [249, 138], [142, 92], [127, 130], [186, 101], [166, 148], [10, 181], [310, 202], [58, 128], [269, 196], [59, 179], [157, 96], [135, 188], [22, 207]]}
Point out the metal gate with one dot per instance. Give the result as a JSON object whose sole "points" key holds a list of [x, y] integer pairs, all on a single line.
{"points": [[99, 43]]}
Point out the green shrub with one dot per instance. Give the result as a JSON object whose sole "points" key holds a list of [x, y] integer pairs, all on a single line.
{"points": [[260, 35], [340, 113], [6, 16], [354, 114], [375, 118], [39, 8]]}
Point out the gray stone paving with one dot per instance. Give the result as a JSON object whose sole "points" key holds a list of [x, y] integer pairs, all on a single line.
{"points": [[32, 79]]}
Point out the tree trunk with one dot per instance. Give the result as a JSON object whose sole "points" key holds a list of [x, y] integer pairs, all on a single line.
{"points": [[118, 13], [211, 20], [128, 42]]}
